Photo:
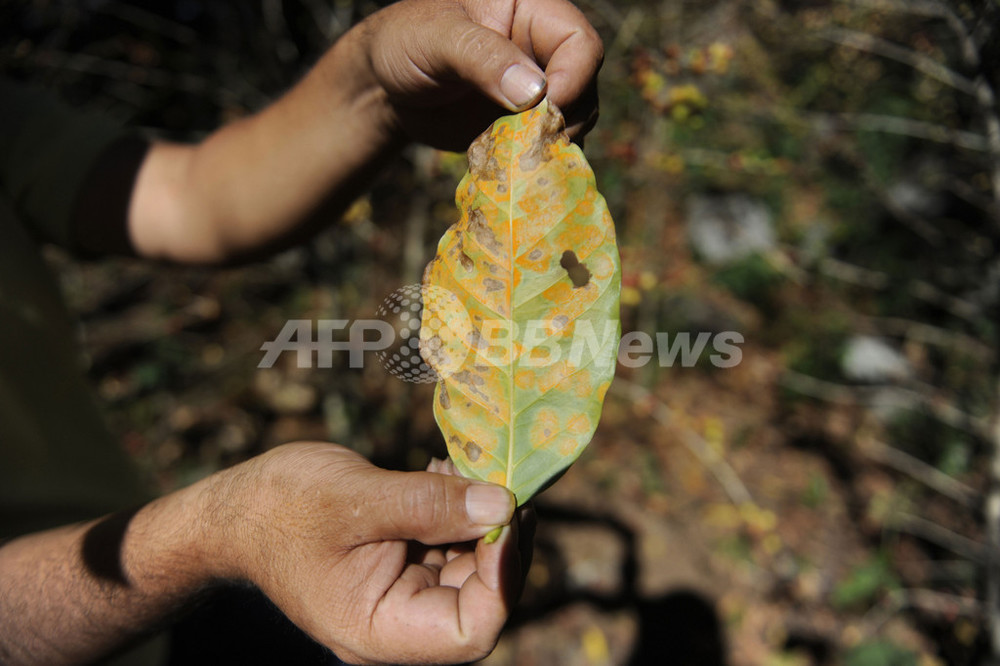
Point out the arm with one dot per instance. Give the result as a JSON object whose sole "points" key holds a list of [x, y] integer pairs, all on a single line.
{"points": [[315, 526], [436, 71]]}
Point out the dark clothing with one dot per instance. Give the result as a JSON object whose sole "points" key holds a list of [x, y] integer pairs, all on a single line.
{"points": [[58, 462]]}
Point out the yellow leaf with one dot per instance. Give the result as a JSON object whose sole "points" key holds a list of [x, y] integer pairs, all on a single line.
{"points": [[595, 645], [533, 262]]}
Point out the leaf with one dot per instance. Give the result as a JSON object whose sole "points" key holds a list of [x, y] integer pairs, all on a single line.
{"points": [[880, 653], [864, 583], [521, 306]]}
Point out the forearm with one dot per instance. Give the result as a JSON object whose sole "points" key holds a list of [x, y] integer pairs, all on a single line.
{"points": [[72, 594], [272, 179]]}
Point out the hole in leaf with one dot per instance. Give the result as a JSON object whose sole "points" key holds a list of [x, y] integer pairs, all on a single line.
{"points": [[577, 272]]}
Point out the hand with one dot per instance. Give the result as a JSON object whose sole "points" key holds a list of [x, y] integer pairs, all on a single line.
{"points": [[376, 565], [450, 67]]}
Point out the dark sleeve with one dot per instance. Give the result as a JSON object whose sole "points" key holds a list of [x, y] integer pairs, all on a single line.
{"points": [[68, 173]]}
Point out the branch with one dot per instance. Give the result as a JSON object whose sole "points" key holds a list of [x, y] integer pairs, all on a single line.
{"points": [[915, 222], [930, 531], [931, 335], [918, 129], [925, 291], [937, 406], [862, 41], [978, 87], [716, 464], [930, 601], [917, 469]]}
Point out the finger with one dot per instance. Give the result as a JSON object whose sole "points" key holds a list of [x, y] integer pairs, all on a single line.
{"points": [[457, 570], [429, 622], [426, 555], [433, 508], [493, 64], [564, 43], [434, 465], [458, 549], [488, 594]]}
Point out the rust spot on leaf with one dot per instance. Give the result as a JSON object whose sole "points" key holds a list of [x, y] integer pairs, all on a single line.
{"points": [[577, 272], [480, 230], [492, 284], [482, 161], [472, 451]]}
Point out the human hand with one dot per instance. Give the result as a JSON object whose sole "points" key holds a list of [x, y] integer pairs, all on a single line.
{"points": [[450, 67], [379, 566]]}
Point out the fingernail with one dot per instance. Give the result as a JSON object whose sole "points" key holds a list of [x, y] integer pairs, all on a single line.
{"points": [[487, 504], [521, 85]]}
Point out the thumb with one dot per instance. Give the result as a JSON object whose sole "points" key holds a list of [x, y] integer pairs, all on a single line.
{"points": [[495, 65], [436, 508]]}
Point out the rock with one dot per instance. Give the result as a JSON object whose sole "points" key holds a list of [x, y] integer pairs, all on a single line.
{"points": [[873, 360], [724, 228]]}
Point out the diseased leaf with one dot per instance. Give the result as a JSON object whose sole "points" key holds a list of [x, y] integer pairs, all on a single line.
{"points": [[526, 360]]}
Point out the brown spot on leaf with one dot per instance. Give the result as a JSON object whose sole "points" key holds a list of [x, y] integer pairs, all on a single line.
{"points": [[550, 131], [535, 254], [469, 378], [463, 258], [480, 230], [577, 272], [473, 451], [444, 398], [492, 284], [482, 162]]}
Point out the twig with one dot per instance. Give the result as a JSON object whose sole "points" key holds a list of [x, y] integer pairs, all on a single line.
{"points": [[979, 87], [937, 406], [918, 129], [917, 469], [871, 122], [716, 464], [878, 46], [930, 601], [872, 279], [926, 8], [930, 335], [917, 223], [853, 274], [928, 530]]}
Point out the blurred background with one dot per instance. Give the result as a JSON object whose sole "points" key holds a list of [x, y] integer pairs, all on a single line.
{"points": [[822, 176]]}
